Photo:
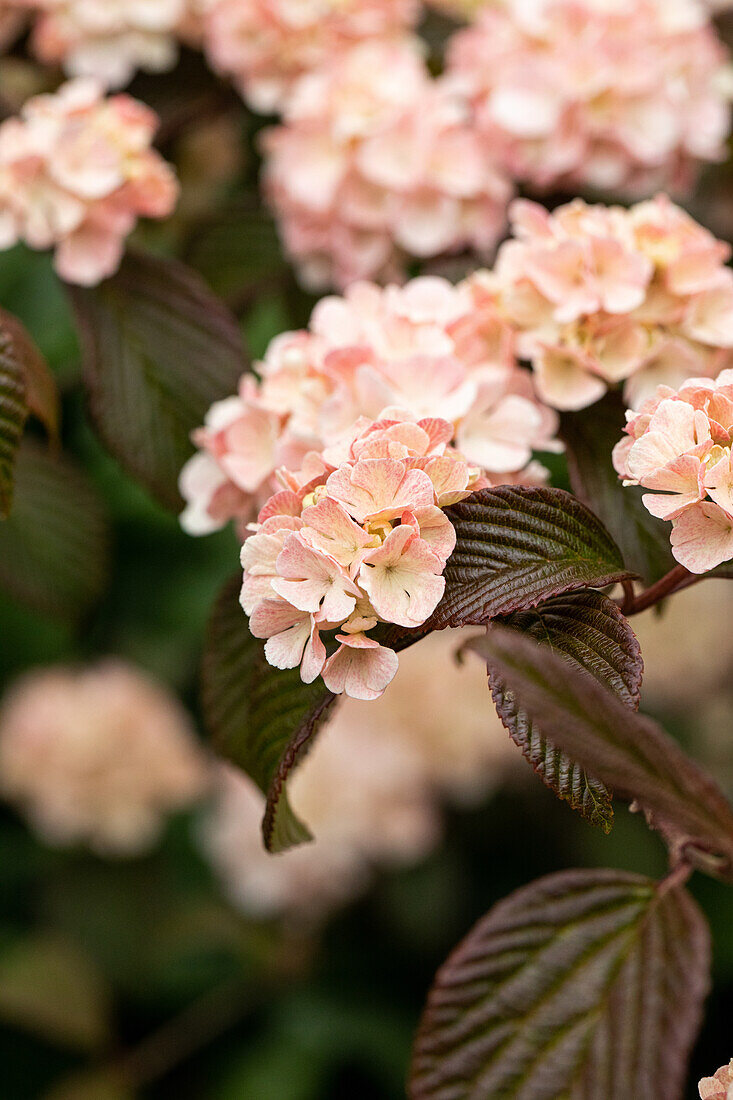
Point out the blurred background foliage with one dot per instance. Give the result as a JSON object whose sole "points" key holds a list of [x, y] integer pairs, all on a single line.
{"points": [[136, 978]]}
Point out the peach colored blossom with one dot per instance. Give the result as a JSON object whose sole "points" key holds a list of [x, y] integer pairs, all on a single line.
{"points": [[441, 354], [97, 756], [623, 96], [107, 39], [388, 813], [366, 172], [76, 172], [602, 296], [679, 445], [266, 45], [376, 552], [719, 1086]]}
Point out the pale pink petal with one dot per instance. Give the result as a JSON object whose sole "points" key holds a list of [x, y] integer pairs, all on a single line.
{"points": [[702, 537], [403, 578], [360, 668]]}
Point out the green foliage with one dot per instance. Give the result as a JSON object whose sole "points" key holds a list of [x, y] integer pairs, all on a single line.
{"points": [[542, 997], [159, 349], [589, 632], [51, 988]]}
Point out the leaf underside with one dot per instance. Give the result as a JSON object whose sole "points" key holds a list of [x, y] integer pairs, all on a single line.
{"points": [[261, 718], [517, 547], [585, 985], [589, 632], [159, 348], [628, 752]]}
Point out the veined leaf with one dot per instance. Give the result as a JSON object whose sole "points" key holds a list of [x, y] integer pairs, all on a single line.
{"points": [[54, 552], [261, 718], [589, 440], [628, 752], [585, 985], [26, 386], [159, 348], [589, 632], [517, 547]]}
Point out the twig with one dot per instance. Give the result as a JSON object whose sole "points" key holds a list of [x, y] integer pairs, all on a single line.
{"points": [[675, 581]]}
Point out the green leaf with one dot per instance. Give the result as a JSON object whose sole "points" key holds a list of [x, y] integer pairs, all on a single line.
{"points": [[589, 439], [54, 552], [49, 987], [630, 753], [238, 253], [585, 985], [517, 547], [158, 348], [261, 718], [589, 632]]}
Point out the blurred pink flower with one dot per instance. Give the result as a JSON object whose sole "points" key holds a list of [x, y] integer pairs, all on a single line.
{"points": [[388, 811], [623, 96], [679, 444], [367, 172], [97, 756], [76, 172], [107, 39], [601, 295], [718, 1087], [435, 352], [265, 45]]}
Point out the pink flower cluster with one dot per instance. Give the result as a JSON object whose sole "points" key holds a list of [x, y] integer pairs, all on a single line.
{"points": [[679, 444], [98, 756], [718, 1087], [76, 172], [375, 162], [601, 295], [107, 39], [363, 541], [429, 349], [265, 45], [617, 95]]}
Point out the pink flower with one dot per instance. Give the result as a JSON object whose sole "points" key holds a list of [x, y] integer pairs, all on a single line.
{"points": [[107, 39], [719, 1086], [601, 296], [402, 578], [679, 445], [402, 372], [360, 667], [76, 172], [266, 45], [365, 173], [97, 756], [577, 94]]}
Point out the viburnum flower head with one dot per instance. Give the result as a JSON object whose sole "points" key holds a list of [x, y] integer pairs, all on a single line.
{"points": [[679, 446], [719, 1086], [97, 756], [602, 296], [107, 39], [368, 171], [623, 96], [76, 172], [427, 350], [266, 45]]}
